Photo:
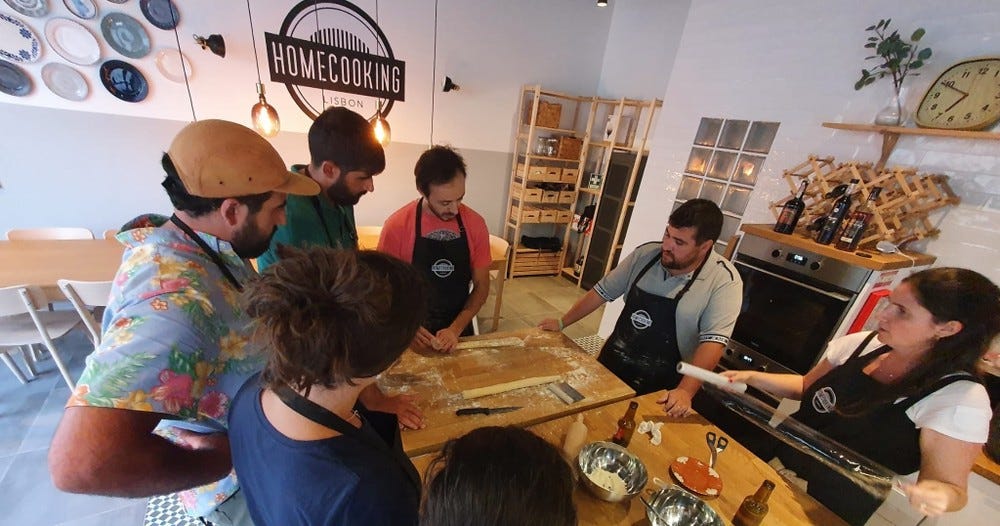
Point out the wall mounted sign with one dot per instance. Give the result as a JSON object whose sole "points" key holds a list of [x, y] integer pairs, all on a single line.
{"points": [[331, 53]]}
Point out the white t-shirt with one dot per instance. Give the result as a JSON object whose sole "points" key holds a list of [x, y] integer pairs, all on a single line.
{"points": [[960, 410]]}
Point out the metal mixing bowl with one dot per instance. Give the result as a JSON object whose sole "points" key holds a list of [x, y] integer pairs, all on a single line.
{"points": [[616, 459], [678, 507]]}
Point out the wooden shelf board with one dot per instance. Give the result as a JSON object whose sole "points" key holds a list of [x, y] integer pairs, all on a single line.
{"points": [[591, 191], [901, 130], [545, 128], [547, 158], [877, 261], [568, 272]]}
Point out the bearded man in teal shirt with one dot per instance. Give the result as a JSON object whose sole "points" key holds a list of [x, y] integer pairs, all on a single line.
{"points": [[345, 157]]}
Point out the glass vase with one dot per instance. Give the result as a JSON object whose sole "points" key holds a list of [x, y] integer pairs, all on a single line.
{"points": [[894, 113]]}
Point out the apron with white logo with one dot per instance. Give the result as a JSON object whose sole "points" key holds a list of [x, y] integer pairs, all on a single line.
{"points": [[447, 267], [642, 351], [884, 434]]}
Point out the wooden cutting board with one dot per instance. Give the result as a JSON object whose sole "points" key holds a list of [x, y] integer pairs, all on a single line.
{"points": [[437, 380]]}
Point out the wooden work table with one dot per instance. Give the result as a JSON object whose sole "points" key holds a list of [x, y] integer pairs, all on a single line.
{"points": [[437, 380], [876, 261], [741, 471], [44, 262]]}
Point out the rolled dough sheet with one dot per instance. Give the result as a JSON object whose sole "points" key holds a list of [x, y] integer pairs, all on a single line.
{"points": [[512, 341], [507, 386]]}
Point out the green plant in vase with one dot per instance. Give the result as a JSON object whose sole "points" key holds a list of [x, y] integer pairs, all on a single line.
{"points": [[896, 58]]}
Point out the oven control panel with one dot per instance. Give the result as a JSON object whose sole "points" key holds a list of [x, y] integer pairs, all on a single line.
{"points": [[739, 356], [799, 261]]}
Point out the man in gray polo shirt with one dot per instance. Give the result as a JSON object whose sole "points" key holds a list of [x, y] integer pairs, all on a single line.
{"points": [[681, 303]]}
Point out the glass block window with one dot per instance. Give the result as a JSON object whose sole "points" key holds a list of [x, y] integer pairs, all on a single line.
{"points": [[726, 157]]}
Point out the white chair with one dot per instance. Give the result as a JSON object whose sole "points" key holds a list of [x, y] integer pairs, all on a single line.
{"points": [[21, 323], [86, 295], [368, 237], [49, 233]]}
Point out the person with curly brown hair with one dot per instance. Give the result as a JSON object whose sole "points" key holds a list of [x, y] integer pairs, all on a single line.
{"points": [[305, 449]]}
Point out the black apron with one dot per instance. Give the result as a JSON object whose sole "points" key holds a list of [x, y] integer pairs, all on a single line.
{"points": [[380, 431], [447, 267], [885, 434], [642, 351]]}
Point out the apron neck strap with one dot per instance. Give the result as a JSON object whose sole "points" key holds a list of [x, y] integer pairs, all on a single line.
{"points": [[209, 251]]}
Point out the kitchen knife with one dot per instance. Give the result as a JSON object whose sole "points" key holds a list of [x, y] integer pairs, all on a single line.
{"points": [[485, 410]]}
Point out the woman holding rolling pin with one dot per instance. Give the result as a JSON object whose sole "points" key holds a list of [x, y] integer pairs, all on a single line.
{"points": [[906, 396]]}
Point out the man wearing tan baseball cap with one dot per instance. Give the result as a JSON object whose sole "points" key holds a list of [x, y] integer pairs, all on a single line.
{"points": [[148, 415]]}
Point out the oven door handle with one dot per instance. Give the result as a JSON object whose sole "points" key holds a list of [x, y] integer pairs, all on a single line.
{"points": [[833, 295]]}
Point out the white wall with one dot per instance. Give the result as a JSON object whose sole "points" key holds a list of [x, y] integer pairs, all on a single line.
{"points": [[60, 155], [796, 63], [642, 44]]}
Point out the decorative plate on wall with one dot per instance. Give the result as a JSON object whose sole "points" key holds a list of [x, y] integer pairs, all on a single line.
{"points": [[125, 35], [35, 8], [168, 61], [161, 13], [85, 9], [124, 81], [65, 81], [72, 41], [117, 1], [18, 43], [13, 80]]}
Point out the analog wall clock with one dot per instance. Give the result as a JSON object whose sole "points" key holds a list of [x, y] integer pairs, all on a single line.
{"points": [[965, 97]]}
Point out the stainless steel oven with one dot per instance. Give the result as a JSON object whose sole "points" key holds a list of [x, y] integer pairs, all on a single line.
{"points": [[794, 301]]}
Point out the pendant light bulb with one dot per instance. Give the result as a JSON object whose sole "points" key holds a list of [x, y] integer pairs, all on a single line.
{"points": [[381, 128], [264, 116]]}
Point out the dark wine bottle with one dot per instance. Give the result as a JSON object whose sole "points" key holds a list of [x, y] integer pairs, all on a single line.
{"points": [[858, 222], [792, 211], [836, 216]]}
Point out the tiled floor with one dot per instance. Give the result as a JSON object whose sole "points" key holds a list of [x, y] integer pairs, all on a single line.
{"points": [[29, 415]]}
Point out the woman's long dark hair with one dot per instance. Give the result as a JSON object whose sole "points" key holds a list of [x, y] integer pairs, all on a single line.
{"points": [[498, 476], [949, 294]]}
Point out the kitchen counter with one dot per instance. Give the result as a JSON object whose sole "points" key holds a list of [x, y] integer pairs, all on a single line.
{"points": [[877, 261], [741, 472], [438, 380]]}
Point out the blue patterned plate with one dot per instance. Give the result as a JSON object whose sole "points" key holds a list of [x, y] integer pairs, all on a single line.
{"points": [[85, 9], [125, 35], [161, 13], [33, 8], [18, 43], [13, 80], [124, 81]]}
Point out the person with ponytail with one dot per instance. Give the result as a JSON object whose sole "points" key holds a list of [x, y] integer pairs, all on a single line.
{"points": [[906, 395]]}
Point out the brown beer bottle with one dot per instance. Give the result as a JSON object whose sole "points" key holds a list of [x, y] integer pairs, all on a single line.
{"points": [[626, 426], [754, 507]]}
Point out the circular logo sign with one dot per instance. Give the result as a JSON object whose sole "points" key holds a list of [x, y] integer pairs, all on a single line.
{"points": [[331, 53], [442, 268], [825, 400], [641, 320]]}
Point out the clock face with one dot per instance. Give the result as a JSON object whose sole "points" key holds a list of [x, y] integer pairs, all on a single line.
{"points": [[965, 97]]}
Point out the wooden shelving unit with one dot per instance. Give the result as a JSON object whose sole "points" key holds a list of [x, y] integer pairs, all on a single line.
{"points": [[616, 150], [543, 188], [608, 129], [890, 135]]}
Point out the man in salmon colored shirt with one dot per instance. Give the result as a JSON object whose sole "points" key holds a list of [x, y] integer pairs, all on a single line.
{"points": [[449, 245]]}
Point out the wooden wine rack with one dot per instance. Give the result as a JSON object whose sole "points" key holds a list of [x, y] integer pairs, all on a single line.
{"points": [[901, 211]]}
